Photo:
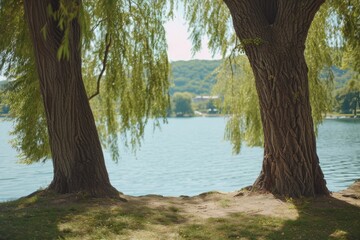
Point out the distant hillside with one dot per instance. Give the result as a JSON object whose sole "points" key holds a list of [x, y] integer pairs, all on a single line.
{"points": [[2, 83], [341, 76], [193, 76]]}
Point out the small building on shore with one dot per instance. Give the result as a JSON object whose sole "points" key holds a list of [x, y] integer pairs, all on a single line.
{"points": [[202, 98]]}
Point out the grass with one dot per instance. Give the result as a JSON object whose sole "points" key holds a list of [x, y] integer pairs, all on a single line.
{"points": [[51, 216], [45, 217], [321, 219]]}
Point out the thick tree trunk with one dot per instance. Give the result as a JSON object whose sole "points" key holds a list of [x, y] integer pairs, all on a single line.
{"points": [[274, 34], [76, 151]]}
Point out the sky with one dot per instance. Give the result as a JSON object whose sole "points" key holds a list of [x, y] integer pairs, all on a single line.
{"points": [[179, 44]]}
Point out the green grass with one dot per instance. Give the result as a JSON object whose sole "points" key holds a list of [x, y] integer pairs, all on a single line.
{"points": [[321, 219], [236, 226], [43, 217], [50, 216]]}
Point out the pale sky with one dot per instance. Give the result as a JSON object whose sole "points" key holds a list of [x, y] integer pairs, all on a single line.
{"points": [[179, 44]]}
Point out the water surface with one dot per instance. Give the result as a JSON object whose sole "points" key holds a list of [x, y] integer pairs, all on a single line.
{"points": [[188, 156]]}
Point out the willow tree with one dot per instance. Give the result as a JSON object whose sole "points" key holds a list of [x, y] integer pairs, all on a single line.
{"points": [[274, 35], [59, 54]]}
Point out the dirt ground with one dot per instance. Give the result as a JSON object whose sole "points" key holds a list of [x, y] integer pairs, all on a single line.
{"points": [[221, 204], [211, 215]]}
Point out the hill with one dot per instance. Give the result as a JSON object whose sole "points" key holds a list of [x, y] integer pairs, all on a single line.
{"points": [[196, 76], [2, 83], [341, 77]]}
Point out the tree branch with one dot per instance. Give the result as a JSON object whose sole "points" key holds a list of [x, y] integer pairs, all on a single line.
{"points": [[107, 48], [98, 24]]}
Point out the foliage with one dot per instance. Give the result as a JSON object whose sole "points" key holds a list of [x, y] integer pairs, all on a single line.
{"points": [[341, 76], [4, 109], [237, 86], [193, 76], [323, 45], [211, 107], [348, 97], [210, 18], [2, 84], [320, 58], [138, 64], [182, 104], [348, 13], [199, 76], [133, 88], [30, 121], [23, 90]]}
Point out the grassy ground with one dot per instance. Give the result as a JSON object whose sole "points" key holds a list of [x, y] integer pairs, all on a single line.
{"points": [[209, 216]]}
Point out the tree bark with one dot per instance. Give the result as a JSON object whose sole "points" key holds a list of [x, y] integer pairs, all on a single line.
{"points": [[274, 33], [76, 151]]}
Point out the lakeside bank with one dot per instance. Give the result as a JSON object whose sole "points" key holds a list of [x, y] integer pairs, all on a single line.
{"points": [[212, 215]]}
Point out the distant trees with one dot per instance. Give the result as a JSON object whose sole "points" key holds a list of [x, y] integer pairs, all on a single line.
{"points": [[181, 103], [195, 76], [211, 108], [348, 97], [4, 109]]}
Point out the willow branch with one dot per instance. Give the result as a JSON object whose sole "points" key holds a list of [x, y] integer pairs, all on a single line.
{"points": [[98, 24], [104, 62]]}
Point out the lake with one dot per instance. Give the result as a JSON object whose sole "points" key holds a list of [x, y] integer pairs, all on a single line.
{"points": [[188, 156]]}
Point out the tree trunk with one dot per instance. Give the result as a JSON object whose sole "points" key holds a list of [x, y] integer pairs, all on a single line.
{"points": [[76, 151], [274, 33]]}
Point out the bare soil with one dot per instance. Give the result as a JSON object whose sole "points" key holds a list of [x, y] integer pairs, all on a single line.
{"points": [[221, 204]]}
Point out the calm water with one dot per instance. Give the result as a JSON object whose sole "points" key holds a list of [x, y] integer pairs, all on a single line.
{"points": [[188, 157]]}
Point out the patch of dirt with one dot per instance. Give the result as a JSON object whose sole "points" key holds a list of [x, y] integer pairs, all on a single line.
{"points": [[350, 195], [218, 204], [213, 204]]}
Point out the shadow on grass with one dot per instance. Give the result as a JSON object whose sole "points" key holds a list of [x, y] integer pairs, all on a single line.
{"points": [[321, 218], [49, 216], [24, 219]]}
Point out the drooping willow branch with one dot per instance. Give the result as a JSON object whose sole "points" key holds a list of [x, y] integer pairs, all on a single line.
{"points": [[106, 53]]}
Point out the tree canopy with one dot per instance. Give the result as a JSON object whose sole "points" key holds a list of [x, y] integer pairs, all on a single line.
{"points": [[125, 38], [291, 46], [348, 97], [182, 104], [117, 51], [137, 62], [333, 32]]}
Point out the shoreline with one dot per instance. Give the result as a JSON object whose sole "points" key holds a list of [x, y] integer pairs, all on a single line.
{"points": [[353, 191]]}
